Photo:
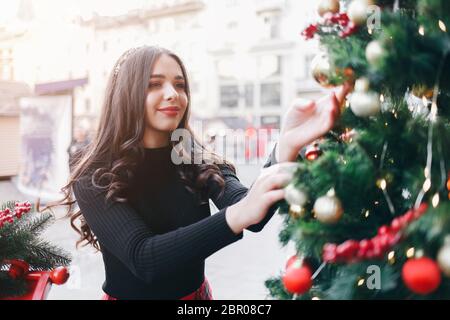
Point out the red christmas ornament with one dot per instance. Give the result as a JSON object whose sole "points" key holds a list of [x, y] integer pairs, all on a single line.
{"points": [[297, 279], [292, 260], [421, 275], [18, 268], [312, 152], [59, 275]]}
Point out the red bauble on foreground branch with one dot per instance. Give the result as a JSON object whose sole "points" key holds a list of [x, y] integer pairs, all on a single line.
{"points": [[421, 275], [298, 276], [375, 248], [18, 268], [59, 275]]}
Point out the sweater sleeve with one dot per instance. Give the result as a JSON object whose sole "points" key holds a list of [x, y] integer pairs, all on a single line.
{"points": [[234, 191], [147, 255]]}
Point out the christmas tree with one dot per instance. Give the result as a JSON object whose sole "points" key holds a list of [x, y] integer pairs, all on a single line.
{"points": [[368, 209], [22, 252]]}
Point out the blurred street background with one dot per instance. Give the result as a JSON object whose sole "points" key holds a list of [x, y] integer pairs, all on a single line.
{"points": [[246, 61]]}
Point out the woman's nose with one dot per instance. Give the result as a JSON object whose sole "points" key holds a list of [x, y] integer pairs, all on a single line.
{"points": [[170, 93]]}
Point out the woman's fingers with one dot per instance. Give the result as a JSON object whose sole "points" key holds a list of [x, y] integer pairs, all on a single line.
{"points": [[282, 167], [303, 105], [274, 196], [277, 181], [343, 91]]}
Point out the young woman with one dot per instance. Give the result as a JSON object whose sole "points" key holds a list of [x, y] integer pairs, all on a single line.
{"points": [[149, 216]]}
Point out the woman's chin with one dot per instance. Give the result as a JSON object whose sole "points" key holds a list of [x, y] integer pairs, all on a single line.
{"points": [[168, 127]]}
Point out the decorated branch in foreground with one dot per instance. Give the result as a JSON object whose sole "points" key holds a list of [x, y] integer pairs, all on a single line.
{"points": [[23, 253]]}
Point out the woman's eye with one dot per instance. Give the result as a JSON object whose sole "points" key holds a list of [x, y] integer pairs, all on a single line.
{"points": [[154, 84], [181, 85]]}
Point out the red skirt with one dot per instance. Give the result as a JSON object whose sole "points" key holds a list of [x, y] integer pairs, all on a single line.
{"points": [[202, 293]]}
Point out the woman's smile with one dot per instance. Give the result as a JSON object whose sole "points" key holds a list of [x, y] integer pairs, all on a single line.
{"points": [[171, 111]]}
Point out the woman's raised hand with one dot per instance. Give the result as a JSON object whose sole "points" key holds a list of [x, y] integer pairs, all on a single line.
{"points": [[265, 191], [306, 121]]}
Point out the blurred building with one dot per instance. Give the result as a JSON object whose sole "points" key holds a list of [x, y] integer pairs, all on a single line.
{"points": [[245, 58], [10, 93]]}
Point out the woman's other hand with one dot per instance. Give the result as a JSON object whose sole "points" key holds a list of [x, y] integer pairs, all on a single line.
{"points": [[305, 121], [267, 189]]}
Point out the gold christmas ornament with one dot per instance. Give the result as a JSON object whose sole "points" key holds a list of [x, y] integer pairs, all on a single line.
{"points": [[296, 211], [326, 6], [443, 257], [321, 70], [421, 90], [294, 196], [348, 135], [328, 208], [374, 52], [358, 10]]}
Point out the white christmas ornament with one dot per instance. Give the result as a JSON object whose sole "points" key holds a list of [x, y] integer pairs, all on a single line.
{"points": [[365, 104], [328, 208], [374, 52], [357, 11], [294, 196]]}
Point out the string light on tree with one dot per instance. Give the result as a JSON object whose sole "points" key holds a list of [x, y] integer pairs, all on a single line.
{"points": [[421, 30], [442, 26]]}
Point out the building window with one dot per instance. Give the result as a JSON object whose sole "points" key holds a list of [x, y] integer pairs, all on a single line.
{"points": [[229, 96], [231, 3], [270, 94], [271, 23], [270, 66], [248, 94], [225, 69], [272, 122]]}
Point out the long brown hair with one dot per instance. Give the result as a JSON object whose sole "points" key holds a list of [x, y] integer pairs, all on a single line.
{"points": [[117, 148]]}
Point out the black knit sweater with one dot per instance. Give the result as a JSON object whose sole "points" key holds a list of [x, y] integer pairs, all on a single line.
{"points": [[155, 245]]}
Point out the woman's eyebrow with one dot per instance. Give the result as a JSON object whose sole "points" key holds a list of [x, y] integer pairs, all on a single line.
{"points": [[163, 76]]}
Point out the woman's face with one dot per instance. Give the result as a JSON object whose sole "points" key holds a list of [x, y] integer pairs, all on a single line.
{"points": [[166, 100]]}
